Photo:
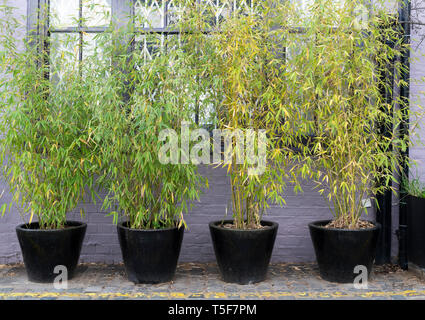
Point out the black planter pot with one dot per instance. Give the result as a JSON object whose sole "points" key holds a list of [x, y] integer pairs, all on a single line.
{"points": [[243, 256], [339, 251], [43, 250], [150, 256], [416, 230]]}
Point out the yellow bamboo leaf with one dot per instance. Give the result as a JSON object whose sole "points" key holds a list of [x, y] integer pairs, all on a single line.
{"points": [[32, 215]]}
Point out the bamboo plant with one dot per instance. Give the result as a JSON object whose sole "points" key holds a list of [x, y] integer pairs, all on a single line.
{"points": [[243, 69], [45, 145], [136, 99], [337, 69], [414, 187], [312, 80]]}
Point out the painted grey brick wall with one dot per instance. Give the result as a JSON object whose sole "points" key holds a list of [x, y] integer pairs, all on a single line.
{"points": [[293, 240], [101, 244], [417, 89]]}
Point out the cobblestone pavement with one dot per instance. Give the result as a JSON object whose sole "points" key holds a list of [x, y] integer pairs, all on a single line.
{"points": [[200, 281]]}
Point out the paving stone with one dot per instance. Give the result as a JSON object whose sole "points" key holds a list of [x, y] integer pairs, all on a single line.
{"points": [[93, 289], [194, 281]]}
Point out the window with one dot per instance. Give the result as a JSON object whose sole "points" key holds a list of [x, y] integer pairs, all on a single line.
{"points": [[73, 25]]}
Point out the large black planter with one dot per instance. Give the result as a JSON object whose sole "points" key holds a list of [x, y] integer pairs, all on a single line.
{"points": [[243, 256], [43, 250], [150, 256], [339, 251], [416, 230]]}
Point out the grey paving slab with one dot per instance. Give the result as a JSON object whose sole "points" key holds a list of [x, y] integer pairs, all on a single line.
{"points": [[299, 281]]}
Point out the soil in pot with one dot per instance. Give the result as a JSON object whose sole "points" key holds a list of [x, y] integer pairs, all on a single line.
{"points": [[243, 256], [150, 256], [339, 251], [44, 250]]}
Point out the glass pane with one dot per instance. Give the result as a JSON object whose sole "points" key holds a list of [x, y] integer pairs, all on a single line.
{"points": [[93, 44], [94, 58], [216, 10], [305, 6], [149, 45], [244, 5], [64, 54], [149, 13], [206, 109], [64, 13], [96, 13], [173, 12]]}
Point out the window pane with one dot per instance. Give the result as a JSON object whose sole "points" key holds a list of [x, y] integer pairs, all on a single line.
{"points": [[95, 58], [216, 10], [173, 12], [64, 54], [149, 45], [93, 44], [149, 13], [64, 13], [244, 5], [96, 13], [305, 7]]}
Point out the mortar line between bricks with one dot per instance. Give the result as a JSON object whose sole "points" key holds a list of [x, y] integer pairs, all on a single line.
{"points": [[222, 295]]}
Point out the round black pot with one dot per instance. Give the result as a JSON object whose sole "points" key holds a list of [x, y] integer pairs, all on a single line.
{"points": [[150, 256], [339, 251], [43, 250], [243, 256]]}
